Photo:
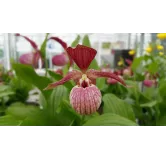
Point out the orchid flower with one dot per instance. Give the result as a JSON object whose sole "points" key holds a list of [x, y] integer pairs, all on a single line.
{"points": [[30, 58], [128, 71], [85, 97], [60, 59], [149, 83], [150, 80]]}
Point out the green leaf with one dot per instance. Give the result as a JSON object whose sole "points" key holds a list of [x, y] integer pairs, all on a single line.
{"points": [[86, 41], [113, 104], [149, 104], [136, 63], [162, 89], [65, 69], [28, 74], [100, 83], [153, 67], [109, 119], [76, 41], [54, 75], [42, 101], [8, 120], [20, 111], [4, 88], [43, 46], [94, 65], [67, 116], [6, 93], [59, 93], [161, 121], [37, 118]]}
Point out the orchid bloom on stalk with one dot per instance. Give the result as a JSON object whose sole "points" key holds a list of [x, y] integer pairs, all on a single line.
{"points": [[149, 83], [85, 97], [60, 59], [150, 80], [128, 71], [30, 58]]}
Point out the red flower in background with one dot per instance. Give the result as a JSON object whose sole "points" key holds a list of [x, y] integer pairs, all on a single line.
{"points": [[149, 83], [63, 58], [60, 60], [150, 80], [85, 97], [127, 71], [30, 58]]}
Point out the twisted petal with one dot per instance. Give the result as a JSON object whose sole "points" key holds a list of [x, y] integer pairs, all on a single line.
{"points": [[73, 75], [33, 44], [82, 56], [61, 42], [93, 74]]}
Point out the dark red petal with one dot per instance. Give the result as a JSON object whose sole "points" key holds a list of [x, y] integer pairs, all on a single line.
{"points": [[93, 74], [33, 44], [82, 56], [63, 44], [73, 75]]}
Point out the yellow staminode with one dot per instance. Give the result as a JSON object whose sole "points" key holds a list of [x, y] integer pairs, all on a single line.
{"points": [[161, 53], [160, 47], [131, 52], [120, 63], [161, 36], [84, 77]]}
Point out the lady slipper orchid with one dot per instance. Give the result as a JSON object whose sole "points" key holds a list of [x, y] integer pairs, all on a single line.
{"points": [[128, 71], [149, 83], [30, 58], [61, 59], [85, 97], [150, 79]]}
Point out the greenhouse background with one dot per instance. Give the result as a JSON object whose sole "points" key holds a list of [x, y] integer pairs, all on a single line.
{"points": [[76, 79], [13, 47]]}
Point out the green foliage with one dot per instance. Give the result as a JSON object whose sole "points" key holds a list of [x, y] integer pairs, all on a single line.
{"points": [[43, 46], [28, 74], [113, 104], [76, 41], [109, 119]]}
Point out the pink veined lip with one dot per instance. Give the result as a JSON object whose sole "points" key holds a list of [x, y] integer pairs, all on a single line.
{"points": [[85, 100]]}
